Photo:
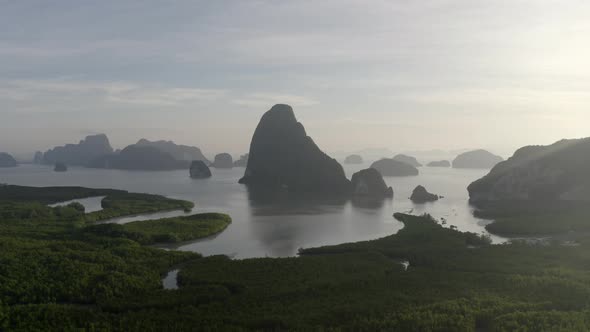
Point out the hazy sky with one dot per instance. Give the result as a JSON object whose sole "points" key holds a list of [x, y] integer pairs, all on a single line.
{"points": [[404, 75]]}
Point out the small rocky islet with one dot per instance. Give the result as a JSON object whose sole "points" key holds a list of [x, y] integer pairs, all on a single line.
{"points": [[243, 161], [353, 159], [477, 159], [420, 195], [407, 159], [7, 160], [223, 160], [199, 170], [369, 182], [390, 167]]}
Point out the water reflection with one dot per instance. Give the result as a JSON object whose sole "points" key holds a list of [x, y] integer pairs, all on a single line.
{"points": [[274, 203], [266, 224], [369, 202]]}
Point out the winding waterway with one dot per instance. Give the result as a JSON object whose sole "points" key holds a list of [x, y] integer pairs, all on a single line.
{"points": [[277, 227]]}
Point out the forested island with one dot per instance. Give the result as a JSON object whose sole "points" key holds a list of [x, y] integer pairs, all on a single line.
{"points": [[95, 151], [61, 271]]}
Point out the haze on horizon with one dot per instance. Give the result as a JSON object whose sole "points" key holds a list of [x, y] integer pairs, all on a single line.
{"points": [[402, 75]]}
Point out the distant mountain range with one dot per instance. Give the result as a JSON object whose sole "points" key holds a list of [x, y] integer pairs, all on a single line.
{"points": [[96, 151], [423, 156], [79, 154], [178, 152], [136, 157]]}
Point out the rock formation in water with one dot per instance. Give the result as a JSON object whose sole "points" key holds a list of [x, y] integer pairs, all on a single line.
{"points": [[408, 160], [199, 170], [440, 163], [80, 154], [178, 152], [560, 171], [60, 167], [353, 159], [7, 160], [477, 159], [283, 157], [369, 182], [136, 157], [223, 160], [38, 158], [390, 167], [242, 162], [421, 195]]}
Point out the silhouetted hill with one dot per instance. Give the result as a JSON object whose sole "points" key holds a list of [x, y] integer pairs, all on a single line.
{"points": [[408, 160], [7, 160], [199, 170], [477, 159], [178, 152], [136, 157], [79, 154], [353, 159], [223, 160], [390, 167], [38, 157], [420, 195], [369, 182], [242, 162], [282, 156], [560, 171]]}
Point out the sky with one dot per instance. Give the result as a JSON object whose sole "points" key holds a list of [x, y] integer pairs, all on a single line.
{"points": [[402, 75]]}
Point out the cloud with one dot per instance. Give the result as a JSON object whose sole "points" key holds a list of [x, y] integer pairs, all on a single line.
{"points": [[509, 101], [62, 49], [166, 96], [51, 95], [62, 95]]}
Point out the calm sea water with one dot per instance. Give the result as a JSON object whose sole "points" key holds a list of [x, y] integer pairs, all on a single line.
{"points": [[277, 227]]}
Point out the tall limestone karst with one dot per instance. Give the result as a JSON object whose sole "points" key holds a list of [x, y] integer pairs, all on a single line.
{"points": [[80, 154], [283, 157]]}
